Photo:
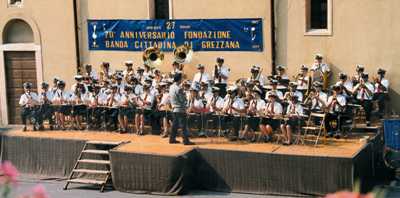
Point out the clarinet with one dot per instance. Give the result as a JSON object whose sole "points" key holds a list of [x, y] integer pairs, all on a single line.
{"points": [[216, 73]]}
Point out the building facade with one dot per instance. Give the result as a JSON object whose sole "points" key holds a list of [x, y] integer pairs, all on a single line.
{"points": [[41, 39]]}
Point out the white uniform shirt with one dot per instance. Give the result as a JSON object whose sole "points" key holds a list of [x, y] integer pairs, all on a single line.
{"points": [[341, 102], [278, 93], [275, 107], [198, 103], [61, 95], [200, 77], [149, 98], [164, 102], [260, 104], [101, 98], [385, 83], [294, 109], [117, 99], [315, 104], [237, 104], [74, 97], [224, 70], [48, 94], [299, 95], [26, 97], [126, 73], [302, 83], [362, 93], [92, 74], [219, 102], [260, 78], [138, 90], [323, 67]]}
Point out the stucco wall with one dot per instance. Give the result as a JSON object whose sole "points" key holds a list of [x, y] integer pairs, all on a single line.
{"points": [[239, 62], [182, 9], [103, 9], [364, 32], [53, 28]]}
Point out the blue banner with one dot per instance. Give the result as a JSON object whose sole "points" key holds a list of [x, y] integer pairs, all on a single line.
{"points": [[200, 34]]}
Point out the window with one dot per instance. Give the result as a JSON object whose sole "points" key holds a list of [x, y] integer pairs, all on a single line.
{"points": [[318, 17], [14, 3], [161, 9]]}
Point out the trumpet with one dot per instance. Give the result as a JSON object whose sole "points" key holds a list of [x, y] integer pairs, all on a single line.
{"points": [[183, 54], [153, 57]]}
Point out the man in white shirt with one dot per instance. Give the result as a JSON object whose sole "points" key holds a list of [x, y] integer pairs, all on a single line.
{"points": [[255, 76], [164, 107], [303, 79], [61, 99], [28, 101], [270, 122], [129, 71], [145, 104], [256, 106], [364, 92], [358, 76], [381, 91], [95, 116], [319, 69], [336, 105], [233, 106], [295, 113], [278, 93], [201, 75], [317, 98], [221, 75], [90, 72], [113, 103], [346, 85], [45, 110]]}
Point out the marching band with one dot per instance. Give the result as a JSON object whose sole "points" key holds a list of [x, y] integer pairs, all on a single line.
{"points": [[119, 100]]}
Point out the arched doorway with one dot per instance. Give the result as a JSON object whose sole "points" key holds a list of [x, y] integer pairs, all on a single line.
{"points": [[19, 64]]}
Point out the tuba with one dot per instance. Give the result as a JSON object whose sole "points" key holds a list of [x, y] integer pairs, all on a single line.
{"points": [[153, 57], [183, 54]]}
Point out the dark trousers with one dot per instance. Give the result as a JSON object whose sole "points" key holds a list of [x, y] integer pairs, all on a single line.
{"points": [[367, 105], [94, 117], [46, 113], [333, 117], [233, 123], [112, 118], [29, 113], [380, 97], [179, 121]]}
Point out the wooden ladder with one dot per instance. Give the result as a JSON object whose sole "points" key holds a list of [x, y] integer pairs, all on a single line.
{"points": [[102, 176]]}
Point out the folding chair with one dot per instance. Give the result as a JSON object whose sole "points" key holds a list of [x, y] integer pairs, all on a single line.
{"points": [[312, 126]]}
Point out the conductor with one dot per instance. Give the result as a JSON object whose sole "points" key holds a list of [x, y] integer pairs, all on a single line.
{"points": [[178, 103]]}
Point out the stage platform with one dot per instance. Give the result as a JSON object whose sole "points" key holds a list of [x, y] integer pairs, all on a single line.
{"points": [[148, 164]]}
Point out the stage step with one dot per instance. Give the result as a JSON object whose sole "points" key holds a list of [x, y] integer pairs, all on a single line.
{"points": [[90, 161], [104, 143], [99, 152], [91, 171], [86, 181], [103, 176]]}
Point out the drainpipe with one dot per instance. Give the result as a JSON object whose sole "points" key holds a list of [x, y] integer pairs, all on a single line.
{"points": [[273, 42], [76, 29]]}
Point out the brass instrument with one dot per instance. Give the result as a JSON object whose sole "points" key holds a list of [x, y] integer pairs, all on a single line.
{"points": [[217, 73], [325, 80], [153, 57], [183, 54]]}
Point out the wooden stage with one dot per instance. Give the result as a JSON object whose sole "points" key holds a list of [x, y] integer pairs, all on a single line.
{"points": [[152, 144], [150, 164]]}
